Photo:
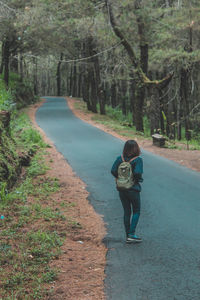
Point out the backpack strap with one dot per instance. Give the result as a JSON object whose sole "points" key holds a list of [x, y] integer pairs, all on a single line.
{"points": [[130, 159], [133, 159]]}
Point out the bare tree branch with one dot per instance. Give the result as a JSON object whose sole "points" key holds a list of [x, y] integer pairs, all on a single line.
{"points": [[136, 64], [118, 33]]}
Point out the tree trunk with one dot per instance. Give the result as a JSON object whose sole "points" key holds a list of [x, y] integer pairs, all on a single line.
{"points": [[85, 88], [154, 111], [68, 79], [35, 79], [106, 88], [93, 75], [97, 77], [123, 92], [161, 108], [58, 75], [93, 92], [86, 73], [167, 124], [6, 61], [171, 119], [113, 94], [74, 84], [79, 85], [99, 87], [71, 80], [144, 56], [179, 135], [102, 101], [139, 97], [14, 63], [21, 68], [2, 58], [179, 3], [48, 83], [132, 99], [185, 100]]}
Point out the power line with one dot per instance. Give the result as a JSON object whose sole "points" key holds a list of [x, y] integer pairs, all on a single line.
{"points": [[83, 58]]}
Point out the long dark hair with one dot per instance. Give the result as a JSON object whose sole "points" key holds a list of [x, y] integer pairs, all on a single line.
{"points": [[131, 148]]}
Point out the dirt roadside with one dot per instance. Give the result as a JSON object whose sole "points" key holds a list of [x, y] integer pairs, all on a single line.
{"points": [[190, 159], [82, 263]]}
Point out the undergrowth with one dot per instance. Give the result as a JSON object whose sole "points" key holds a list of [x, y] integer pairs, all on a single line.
{"points": [[6, 101], [115, 120]]}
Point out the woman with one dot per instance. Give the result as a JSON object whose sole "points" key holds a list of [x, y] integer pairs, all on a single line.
{"points": [[130, 198]]}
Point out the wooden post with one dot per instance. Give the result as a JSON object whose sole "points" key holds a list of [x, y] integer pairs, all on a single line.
{"points": [[158, 140]]}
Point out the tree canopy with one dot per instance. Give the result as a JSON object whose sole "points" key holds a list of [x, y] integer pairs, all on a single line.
{"points": [[141, 56]]}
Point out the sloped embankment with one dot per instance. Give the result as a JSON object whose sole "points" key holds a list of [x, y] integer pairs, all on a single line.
{"points": [[9, 159], [17, 96]]}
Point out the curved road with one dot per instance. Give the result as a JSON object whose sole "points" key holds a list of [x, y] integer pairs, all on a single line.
{"points": [[166, 266]]}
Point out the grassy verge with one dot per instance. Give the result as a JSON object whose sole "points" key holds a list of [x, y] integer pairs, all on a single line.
{"points": [[116, 121], [113, 120], [30, 237]]}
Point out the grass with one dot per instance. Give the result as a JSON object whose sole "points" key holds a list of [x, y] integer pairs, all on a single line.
{"points": [[34, 227], [26, 250], [28, 138], [115, 120]]}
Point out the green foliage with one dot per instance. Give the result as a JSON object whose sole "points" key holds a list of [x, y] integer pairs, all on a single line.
{"points": [[3, 192], [32, 137], [19, 94], [6, 102], [14, 80], [116, 114], [147, 131], [23, 94], [37, 166], [9, 163], [24, 134], [50, 275], [49, 239]]}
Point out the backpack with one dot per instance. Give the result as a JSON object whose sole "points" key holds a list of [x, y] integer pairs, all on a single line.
{"points": [[125, 179]]}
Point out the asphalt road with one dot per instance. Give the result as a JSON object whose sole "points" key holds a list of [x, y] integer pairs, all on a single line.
{"points": [[166, 265]]}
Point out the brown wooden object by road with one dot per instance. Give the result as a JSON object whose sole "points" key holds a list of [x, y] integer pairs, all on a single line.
{"points": [[158, 140]]}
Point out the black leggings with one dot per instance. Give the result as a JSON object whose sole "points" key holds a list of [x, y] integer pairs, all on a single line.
{"points": [[131, 204]]}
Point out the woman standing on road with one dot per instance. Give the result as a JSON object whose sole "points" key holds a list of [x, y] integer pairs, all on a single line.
{"points": [[128, 178]]}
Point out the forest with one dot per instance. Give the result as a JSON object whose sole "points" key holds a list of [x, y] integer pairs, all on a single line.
{"points": [[135, 63], [138, 57]]}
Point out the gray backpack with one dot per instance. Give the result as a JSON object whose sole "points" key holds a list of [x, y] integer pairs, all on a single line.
{"points": [[125, 179]]}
